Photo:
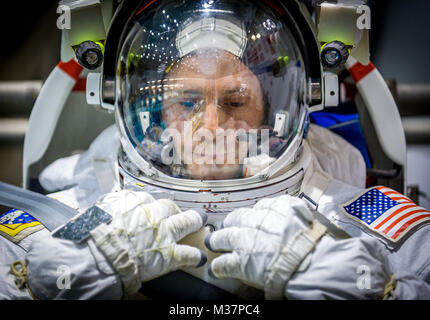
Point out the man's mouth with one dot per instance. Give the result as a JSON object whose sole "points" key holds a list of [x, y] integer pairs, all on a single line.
{"points": [[215, 158]]}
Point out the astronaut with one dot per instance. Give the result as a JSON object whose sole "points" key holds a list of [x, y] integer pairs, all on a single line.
{"points": [[217, 172]]}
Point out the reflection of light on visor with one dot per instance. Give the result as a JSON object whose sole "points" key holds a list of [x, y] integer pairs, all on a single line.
{"points": [[212, 33]]}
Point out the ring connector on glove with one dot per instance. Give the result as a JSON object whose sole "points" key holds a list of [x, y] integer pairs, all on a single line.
{"points": [[19, 270]]}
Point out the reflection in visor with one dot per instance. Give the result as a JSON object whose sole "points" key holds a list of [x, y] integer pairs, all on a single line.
{"points": [[208, 93], [219, 96]]}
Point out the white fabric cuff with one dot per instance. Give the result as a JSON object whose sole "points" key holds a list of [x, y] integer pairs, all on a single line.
{"points": [[116, 251], [289, 260]]}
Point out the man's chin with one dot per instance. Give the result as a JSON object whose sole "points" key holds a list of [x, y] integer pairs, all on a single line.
{"points": [[213, 171]]}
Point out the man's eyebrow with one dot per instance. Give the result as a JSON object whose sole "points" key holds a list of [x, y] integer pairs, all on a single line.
{"points": [[235, 90]]}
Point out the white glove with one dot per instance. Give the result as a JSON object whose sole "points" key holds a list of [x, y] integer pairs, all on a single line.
{"points": [[140, 242], [279, 247]]}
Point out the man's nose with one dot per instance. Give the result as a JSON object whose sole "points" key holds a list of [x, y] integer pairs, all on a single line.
{"points": [[211, 116]]}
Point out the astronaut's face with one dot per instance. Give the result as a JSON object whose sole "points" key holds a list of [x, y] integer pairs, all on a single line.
{"points": [[212, 100]]}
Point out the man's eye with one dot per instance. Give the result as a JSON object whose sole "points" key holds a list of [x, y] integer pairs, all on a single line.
{"points": [[188, 104], [234, 104]]}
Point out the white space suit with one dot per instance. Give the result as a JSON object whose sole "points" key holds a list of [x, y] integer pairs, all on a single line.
{"points": [[94, 277], [212, 133]]}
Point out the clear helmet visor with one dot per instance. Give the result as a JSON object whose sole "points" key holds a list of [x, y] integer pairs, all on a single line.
{"points": [[210, 90]]}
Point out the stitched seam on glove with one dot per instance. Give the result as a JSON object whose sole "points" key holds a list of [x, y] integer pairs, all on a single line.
{"points": [[171, 204], [116, 251]]}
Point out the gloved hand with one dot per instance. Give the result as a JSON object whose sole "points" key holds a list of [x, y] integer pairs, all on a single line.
{"points": [[279, 247], [140, 242]]}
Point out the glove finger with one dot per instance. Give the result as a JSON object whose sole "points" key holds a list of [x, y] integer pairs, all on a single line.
{"points": [[124, 201], [148, 214], [227, 266], [285, 205], [187, 256], [266, 220], [159, 210], [182, 224], [229, 239], [236, 217]]}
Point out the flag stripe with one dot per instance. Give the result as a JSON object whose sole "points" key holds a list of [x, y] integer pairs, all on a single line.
{"points": [[407, 224], [391, 218], [387, 193], [394, 213], [399, 225], [402, 199], [382, 189], [404, 216]]}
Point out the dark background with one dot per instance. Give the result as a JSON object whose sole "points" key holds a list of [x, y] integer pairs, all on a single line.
{"points": [[399, 39]]}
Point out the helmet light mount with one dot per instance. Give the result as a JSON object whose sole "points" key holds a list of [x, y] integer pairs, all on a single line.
{"points": [[90, 54], [334, 54]]}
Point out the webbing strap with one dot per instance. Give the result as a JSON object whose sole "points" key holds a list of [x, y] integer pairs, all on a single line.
{"points": [[51, 213], [290, 258]]}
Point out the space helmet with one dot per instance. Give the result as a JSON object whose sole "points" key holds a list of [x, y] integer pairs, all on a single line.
{"points": [[211, 93]]}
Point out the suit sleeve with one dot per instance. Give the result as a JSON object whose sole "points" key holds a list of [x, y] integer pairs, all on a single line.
{"points": [[63, 269]]}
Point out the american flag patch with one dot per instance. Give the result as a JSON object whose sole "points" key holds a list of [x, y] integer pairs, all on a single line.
{"points": [[387, 212]]}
